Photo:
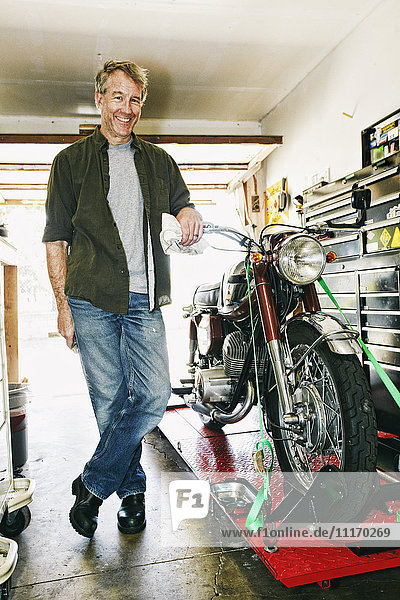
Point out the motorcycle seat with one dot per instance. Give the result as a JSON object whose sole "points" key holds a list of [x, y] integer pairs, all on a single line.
{"points": [[206, 295]]}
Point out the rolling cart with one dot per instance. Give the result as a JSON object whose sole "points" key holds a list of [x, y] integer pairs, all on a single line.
{"points": [[15, 494]]}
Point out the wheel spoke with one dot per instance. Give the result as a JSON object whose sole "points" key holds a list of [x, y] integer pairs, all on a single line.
{"points": [[333, 446], [329, 407], [314, 373]]}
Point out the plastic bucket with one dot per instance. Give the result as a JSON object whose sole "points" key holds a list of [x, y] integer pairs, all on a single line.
{"points": [[18, 395]]}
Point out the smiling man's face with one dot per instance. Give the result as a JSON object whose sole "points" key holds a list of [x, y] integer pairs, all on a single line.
{"points": [[120, 107]]}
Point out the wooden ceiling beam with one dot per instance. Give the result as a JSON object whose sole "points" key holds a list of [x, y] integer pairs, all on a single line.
{"points": [[207, 186], [213, 167], [24, 138]]}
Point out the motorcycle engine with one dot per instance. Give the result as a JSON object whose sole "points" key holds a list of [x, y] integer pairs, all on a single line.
{"points": [[215, 384], [212, 385], [234, 350]]}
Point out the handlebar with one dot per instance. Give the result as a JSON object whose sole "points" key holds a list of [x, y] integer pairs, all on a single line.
{"points": [[320, 228], [209, 227], [233, 234]]}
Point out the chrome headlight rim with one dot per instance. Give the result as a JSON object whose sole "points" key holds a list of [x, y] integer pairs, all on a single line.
{"points": [[281, 254]]}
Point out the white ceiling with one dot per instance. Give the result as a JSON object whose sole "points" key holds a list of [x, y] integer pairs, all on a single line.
{"points": [[208, 59]]}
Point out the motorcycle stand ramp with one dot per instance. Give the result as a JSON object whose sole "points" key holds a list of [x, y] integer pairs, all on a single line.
{"points": [[231, 451]]}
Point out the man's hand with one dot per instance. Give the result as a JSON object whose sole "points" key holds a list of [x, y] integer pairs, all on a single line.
{"points": [[65, 325], [191, 224]]}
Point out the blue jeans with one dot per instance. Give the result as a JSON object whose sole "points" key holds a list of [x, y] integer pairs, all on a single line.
{"points": [[125, 362]]}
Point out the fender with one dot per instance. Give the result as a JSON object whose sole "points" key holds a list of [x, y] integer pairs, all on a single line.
{"points": [[339, 337]]}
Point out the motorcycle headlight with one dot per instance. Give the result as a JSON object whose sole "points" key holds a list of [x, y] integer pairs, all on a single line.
{"points": [[300, 259]]}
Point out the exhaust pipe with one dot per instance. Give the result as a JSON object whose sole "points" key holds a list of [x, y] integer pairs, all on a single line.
{"points": [[239, 412]]}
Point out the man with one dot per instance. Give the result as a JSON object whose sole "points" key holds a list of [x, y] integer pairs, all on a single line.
{"points": [[106, 195]]}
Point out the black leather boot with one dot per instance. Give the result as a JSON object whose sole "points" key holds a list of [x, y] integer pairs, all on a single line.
{"points": [[131, 515], [83, 514]]}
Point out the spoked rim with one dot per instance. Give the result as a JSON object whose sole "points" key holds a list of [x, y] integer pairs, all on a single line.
{"points": [[321, 422]]}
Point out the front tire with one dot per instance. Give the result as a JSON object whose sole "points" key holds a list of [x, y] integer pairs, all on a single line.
{"points": [[333, 400]]}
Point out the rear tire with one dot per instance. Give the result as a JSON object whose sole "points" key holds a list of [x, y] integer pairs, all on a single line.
{"points": [[332, 392]]}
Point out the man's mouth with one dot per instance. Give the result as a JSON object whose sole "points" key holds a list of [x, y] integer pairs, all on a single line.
{"points": [[122, 119]]}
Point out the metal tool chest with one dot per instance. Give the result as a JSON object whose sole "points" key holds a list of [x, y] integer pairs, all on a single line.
{"points": [[365, 276]]}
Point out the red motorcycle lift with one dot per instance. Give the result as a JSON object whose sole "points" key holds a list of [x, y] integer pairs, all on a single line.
{"points": [[231, 451]]}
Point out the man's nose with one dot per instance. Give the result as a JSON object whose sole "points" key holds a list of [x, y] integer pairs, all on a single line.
{"points": [[127, 106]]}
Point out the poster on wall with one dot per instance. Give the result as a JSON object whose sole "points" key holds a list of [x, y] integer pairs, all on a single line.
{"points": [[276, 203]]}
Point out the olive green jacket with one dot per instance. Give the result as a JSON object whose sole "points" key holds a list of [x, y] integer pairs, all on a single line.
{"points": [[77, 212]]}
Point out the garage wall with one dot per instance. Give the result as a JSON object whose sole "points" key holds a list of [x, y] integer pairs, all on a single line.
{"points": [[361, 78]]}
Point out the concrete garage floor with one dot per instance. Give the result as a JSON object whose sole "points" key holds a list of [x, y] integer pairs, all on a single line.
{"points": [[56, 563]]}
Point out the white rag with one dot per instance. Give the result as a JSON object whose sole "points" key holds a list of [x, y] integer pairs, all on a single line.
{"points": [[171, 234]]}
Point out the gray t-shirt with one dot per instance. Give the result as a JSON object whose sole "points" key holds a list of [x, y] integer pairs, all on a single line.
{"points": [[126, 203]]}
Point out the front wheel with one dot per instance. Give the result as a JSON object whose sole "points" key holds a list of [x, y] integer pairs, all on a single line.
{"points": [[332, 400]]}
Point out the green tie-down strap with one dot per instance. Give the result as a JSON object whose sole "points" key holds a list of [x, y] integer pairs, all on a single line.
{"points": [[255, 518], [394, 392]]}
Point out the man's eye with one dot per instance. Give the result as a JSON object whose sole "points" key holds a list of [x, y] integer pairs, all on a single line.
{"points": [[136, 100]]}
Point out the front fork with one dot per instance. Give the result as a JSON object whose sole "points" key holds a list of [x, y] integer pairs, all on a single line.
{"points": [[270, 325]]}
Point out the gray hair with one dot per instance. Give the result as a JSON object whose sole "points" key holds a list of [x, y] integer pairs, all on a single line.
{"points": [[138, 74]]}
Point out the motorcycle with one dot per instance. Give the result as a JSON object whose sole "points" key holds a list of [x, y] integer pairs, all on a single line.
{"points": [[260, 332]]}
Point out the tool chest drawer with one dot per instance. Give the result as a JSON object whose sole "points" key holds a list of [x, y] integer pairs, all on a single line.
{"points": [[383, 237], [343, 247], [381, 337], [379, 212], [380, 301], [383, 280], [341, 282], [346, 301], [386, 355], [388, 319]]}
